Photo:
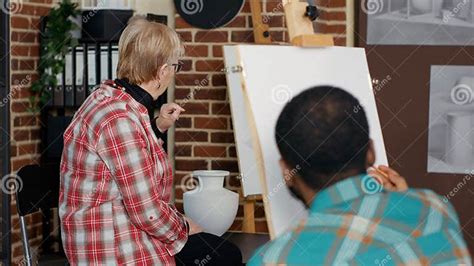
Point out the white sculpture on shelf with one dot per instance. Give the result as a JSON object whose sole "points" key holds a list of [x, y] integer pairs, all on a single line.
{"points": [[211, 205]]}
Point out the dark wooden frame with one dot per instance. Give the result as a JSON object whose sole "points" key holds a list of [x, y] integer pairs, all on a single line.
{"points": [[5, 124]]}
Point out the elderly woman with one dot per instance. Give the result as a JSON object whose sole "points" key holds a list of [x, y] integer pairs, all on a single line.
{"points": [[116, 180]]}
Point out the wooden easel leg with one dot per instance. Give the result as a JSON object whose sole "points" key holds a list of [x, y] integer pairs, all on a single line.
{"points": [[248, 225]]}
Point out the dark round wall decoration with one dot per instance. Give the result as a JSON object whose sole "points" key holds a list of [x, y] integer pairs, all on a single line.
{"points": [[208, 14]]}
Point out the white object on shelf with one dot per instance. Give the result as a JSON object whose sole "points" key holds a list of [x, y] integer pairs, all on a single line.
{"points": [[211, 205]]}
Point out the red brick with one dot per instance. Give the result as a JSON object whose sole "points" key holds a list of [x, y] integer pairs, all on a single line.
{"points": [[210, 122], [211, 94], [190, 165], [277, 36], [261, 226], [211, 36], [209, 65], [191, 136], [35, 10], [217, 51], [196, 108], [180, 23], [324, 28], [246, 7], [331, 3], [17, 50], [230, 166], [35, 134], [187, 65], [182, 150], [274, 6], [180, 94], [273, 21], [196, 50], [219, 80], [20, 107], [237, 22], [333, 16], [189, 79], [340, 41], [184, 122], [242, 36], [20, 135], [23, 37], [19, 22], [29, 148], [231, 151], [35, 24], [220, 109], [186, 36], [26, 64], [210, 151], [16, 164], [222, 137], [25, 121], [34, 51]]}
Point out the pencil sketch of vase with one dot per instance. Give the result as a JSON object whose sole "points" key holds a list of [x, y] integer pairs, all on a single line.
{"points": [[211, 205], [451, 124]]}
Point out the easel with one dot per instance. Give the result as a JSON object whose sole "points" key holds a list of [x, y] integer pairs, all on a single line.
{"points": [[299, 19]]}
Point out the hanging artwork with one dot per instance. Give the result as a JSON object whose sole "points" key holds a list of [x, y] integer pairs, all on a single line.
{"points": [[419, 22], [451, 126]]}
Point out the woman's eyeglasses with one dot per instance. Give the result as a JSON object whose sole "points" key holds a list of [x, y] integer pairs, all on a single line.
{"points": [[177, 67]]}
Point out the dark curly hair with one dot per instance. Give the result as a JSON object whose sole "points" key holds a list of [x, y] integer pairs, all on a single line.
{"points": [[324, 131]]}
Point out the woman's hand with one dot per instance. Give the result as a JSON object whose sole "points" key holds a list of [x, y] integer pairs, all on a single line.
{"points": [[391, 180], [169, 113], [194, 228]]}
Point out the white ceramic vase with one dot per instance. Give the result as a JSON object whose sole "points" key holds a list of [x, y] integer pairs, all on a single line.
{"points": [[211, 205]]}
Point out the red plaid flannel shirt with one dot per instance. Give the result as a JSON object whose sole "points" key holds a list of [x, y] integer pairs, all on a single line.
{"points": [[116, 184]]}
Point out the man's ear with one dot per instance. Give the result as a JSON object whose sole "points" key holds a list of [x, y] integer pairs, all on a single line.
{"points": [[285, 170], [370, 158]]}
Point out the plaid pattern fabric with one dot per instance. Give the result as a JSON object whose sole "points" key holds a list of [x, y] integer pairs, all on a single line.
{"points": [[116, 184], [351, 223]]}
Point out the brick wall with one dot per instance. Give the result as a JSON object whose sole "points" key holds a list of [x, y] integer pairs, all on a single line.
{"points": [[204, 138], [25, 128]]}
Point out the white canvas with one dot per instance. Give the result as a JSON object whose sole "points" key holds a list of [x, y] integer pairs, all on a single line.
{"points": [[271, 76]]}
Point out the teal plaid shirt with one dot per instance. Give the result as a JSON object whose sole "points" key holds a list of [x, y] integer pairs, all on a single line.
{"points": [[357, 222]]}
